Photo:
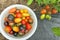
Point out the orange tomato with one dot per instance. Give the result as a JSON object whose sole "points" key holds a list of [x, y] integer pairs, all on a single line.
{"points": [[47, 7], [43, 11], [12, 10], [8, 29], [28, 17], [54, 11], [30, 21]]}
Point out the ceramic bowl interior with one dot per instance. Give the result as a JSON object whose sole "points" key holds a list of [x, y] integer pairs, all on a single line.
{"points": [[6, 12]]}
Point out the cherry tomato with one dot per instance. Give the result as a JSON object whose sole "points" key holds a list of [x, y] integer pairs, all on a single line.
{"points": [[15, 33], [23, 22], [43, 11], [8, 29], [6, 23], [17, 20], [12, 10], [47, 7], [28, 26], [30, 21], [22, 27], [16, 29], [54, 11], [11, 32], [25, 10], [10, 17], [26, 20], [18, 15], [11, 23], [28, 17]]}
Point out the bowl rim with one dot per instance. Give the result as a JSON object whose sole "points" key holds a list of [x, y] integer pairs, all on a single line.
{"points": [[11, 37]]}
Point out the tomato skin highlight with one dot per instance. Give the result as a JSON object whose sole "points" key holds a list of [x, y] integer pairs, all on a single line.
{"points": [[28, 26]]}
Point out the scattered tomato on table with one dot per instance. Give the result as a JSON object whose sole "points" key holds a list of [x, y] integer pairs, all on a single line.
{"points": [[18, 22], [46, 12]]}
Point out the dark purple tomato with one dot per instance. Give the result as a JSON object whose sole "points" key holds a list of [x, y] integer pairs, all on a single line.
{"points": [[10, 17], [6, 23], [15, 34], [22, 27]]}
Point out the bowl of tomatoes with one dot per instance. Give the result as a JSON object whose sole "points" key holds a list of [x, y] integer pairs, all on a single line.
{"points": [[18, 22]]}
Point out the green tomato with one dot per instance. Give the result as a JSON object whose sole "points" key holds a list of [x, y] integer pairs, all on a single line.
{"points": [[48, 17], [42, 16]]}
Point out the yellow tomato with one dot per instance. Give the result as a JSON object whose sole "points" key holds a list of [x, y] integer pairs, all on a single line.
{"points": [[23, 17], [17, 20], [25, 14], [21, 11], [25, 11], [16, 29]]}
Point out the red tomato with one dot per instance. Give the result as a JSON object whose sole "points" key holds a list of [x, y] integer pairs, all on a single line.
{"points": [[23, 22], [28, 17], [18, 15], [22, 31], [54, 11], [8, 29], [47, 7], [11, 32], [28, 26]]}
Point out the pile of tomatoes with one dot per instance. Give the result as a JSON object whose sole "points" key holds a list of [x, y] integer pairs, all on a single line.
{"points": [[18, 22], [47, 11]]}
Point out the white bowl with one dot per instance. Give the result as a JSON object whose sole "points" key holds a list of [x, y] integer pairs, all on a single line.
{"points": [[5, 13]]}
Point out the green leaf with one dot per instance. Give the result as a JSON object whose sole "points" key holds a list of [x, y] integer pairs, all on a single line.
{"points": [[53, 1], [58, 0], [56, 31], [39, 1], [29, 2], [57, 7], [46, 1]]}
